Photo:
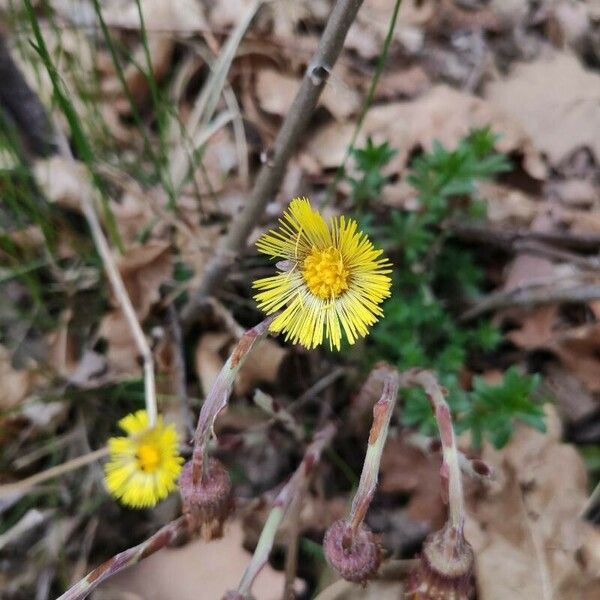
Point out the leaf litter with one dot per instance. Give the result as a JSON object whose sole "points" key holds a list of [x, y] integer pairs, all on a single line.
{"points": [[529, 72]]}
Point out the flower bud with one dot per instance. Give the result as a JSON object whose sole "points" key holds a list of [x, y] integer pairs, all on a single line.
{"points": [[354, 557], [445, 567], [208, 502]]}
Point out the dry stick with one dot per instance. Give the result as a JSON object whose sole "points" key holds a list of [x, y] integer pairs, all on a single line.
{"points": [[119, 289], [533, 296], [125, 303], [271, 173], [24, 485], [163, 537], [281, 506], [451, 466], [382, 414], [506, 239], [219, 393]]}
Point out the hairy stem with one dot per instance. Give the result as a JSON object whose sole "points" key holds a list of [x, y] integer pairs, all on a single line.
{"points": [[219, 394], [450, 470], [281, 506], [271, 174], [163, 537], [382, 414]]}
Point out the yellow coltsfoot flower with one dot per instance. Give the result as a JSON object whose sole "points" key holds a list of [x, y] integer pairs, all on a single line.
{"points": [[331, 278], [144, 465]]}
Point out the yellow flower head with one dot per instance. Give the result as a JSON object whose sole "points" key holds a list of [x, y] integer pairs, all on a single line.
{"points": [[144, 465], [331, 278]]}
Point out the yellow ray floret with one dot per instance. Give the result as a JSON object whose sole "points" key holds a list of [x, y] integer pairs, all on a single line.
{"points": [[331, 279], [144, 465]]}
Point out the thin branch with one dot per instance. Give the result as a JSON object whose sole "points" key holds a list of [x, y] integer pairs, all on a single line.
{"points": [[530, 296], [120, 291], [24, 485], [272, 171], [507, 238], [163, 537]]}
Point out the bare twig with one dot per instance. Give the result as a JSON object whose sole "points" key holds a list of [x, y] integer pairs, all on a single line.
{"points": [[506, 239], [24, 485], [163, 537], [535, 295], [272, 171], [125, 303], [591, 263], [281, 506], [317, 388], [216, 400]]}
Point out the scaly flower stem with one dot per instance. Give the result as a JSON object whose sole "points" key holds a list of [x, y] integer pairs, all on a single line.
{"points": [[450, 471], [219, 394], [281, 506], [163, 537], [382, 414]]}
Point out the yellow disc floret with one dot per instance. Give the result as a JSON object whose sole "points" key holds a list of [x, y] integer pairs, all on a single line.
{"points": [[148, 458], [325, 273]]}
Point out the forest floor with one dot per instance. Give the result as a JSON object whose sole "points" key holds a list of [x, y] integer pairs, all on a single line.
{"points": [[464, 138]]}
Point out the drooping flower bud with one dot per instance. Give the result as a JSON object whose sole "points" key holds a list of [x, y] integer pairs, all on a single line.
{"points": [[355, 557], [208, 502], [445, 567]]}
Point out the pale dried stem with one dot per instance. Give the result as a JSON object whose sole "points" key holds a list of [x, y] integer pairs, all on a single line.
{"points": [[163, 537], [382, 414], [271, 174], [217, 398], [24, 485], [120, 292], [281, 506]]}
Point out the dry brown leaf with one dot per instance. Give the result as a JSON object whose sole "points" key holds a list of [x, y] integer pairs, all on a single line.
{"points": [[442, 114], [63, 181], [276, 91], [198, 570], [143, 269], [536, 328], [405, 469], [508, 206], [261, 366], [556, 101], [525, 527], [183, 16], [579, 350], [16, 384]]}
